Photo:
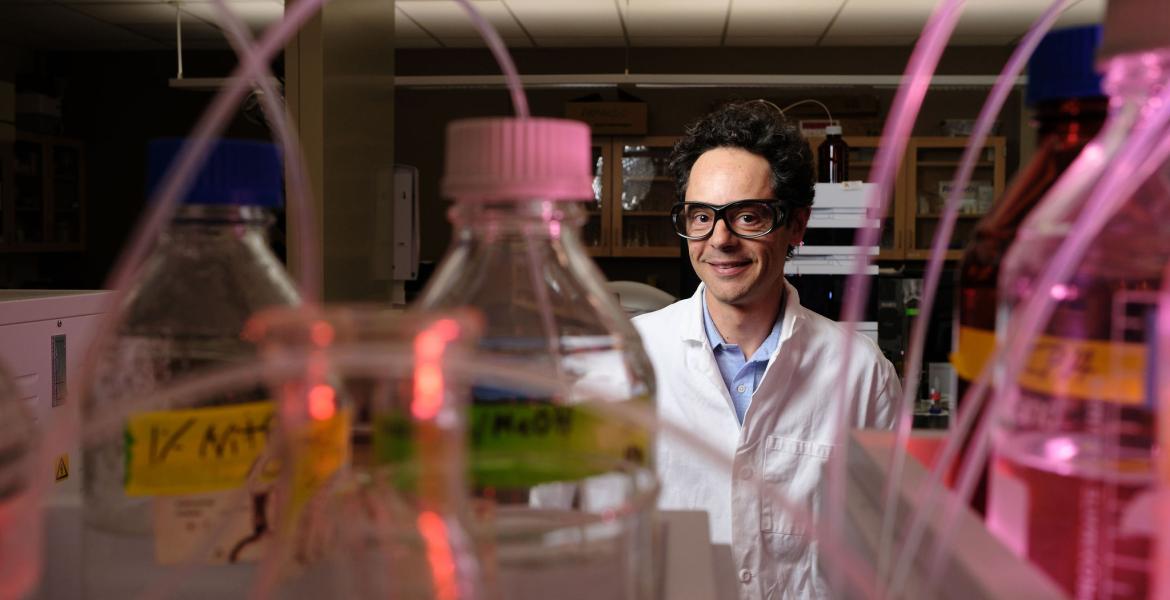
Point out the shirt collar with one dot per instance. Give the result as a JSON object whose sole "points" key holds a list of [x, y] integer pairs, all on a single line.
{"points": [[770, 344]]}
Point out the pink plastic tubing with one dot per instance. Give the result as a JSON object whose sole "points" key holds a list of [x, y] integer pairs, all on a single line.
{"points": [[904, 111], [995, 100], [1132, 166], [1160, 566], [500, 52], [299, 189]]}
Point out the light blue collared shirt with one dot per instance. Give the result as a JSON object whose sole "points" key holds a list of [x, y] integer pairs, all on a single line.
{"points": [[741, 376]]}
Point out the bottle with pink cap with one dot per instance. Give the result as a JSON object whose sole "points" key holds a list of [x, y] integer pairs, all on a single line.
{"points": [[549, 473]]}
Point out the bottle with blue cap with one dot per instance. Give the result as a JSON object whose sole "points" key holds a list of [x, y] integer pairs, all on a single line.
{"points": [[1072, 484], [1064, 90], [158, 488]]}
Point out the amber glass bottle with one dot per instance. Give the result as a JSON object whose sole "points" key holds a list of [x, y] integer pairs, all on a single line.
{"points": [[1064, 90]]}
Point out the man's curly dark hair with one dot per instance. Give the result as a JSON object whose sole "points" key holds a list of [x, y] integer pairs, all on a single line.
{"points": [[758, 127]]}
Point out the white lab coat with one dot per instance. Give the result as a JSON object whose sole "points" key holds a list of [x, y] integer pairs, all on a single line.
{"points": [[787, 435]]}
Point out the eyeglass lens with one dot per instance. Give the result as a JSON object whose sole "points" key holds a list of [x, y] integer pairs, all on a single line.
{"points": [[748, 218]]}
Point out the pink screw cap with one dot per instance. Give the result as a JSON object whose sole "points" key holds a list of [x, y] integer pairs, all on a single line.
{"points": [[503, 158]]}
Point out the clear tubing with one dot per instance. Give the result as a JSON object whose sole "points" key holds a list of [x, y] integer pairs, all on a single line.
{"points": [[380, 361], [903, 113], [1077, 180], [995, 100], [500, 52], [1132, 166], [300, 191]]}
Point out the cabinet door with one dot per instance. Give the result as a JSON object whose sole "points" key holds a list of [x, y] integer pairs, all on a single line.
{"points": [[932, 165], [595, 233], [643, 193], [29, 192], [66, 198]]}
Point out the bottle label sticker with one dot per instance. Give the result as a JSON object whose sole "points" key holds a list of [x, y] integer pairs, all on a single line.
{"points": [[181, 452], [525, 444], [1071, 368], [215, 528]]}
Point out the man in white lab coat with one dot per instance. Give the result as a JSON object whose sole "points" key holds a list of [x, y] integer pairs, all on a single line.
{"points": [[745, 366]]}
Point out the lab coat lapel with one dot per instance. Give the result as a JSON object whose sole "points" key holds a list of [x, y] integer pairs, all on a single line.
{"points": [[701, 370]]}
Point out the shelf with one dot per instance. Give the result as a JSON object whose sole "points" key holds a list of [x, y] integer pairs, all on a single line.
{"points": [[954, 255], [645, 213]]}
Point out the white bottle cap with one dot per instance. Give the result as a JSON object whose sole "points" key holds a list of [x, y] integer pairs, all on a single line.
{"points": [[504, 158]]}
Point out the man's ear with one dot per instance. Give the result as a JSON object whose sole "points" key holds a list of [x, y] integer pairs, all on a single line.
{"points": [[798, 224]]}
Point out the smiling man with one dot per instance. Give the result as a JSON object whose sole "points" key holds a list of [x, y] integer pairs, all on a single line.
{"points": [[745, 366]]}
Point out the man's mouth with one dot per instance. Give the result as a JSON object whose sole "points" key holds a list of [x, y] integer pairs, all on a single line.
{"points": [[728, 267]]}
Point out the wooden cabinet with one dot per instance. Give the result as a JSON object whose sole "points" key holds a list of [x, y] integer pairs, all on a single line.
{"points": [[42, 195], [920, 188], [633, 192]]}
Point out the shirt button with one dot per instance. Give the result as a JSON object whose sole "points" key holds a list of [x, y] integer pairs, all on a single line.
{"points": [[746, 473], [745, 575], [741, 388]]}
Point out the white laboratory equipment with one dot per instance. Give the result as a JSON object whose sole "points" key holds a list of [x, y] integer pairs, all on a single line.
{"points": [[44, 337]]}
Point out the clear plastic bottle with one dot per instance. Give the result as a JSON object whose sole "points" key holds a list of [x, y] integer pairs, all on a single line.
{"points": [[1071, 482], [833, 157], [163, 476], [518, 260], [20, 525], [1065, 91]]}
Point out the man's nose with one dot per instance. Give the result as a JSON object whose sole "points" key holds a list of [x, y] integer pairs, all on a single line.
{"points": [[721, 235]]}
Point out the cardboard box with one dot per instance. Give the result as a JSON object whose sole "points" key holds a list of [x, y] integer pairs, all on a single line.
{"points": [[625, 118]]}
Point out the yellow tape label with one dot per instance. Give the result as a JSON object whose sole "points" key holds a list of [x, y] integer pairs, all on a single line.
{"points": [[211, 449], [1082, 369]]}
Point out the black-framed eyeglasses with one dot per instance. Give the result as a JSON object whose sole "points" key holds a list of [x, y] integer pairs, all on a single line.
{"points": [[744, 218]]}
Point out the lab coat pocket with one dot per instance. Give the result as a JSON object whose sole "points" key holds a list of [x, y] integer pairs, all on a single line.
{"points": [[795, 469]]}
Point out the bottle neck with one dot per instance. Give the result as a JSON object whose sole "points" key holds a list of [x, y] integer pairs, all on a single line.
{"points": [[1131, 80], [539, 220], [1074, 120], [217, 221]]}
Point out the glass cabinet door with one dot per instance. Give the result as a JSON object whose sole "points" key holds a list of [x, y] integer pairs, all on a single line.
{"points": [[931, 168], [595, 234], [29, 218], [643, 193], [67, 185]]}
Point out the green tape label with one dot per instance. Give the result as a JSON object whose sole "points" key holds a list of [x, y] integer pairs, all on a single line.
{"points": [[525, 444]]}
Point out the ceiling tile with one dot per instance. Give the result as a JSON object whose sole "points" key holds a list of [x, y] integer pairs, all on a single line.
{"points": [[46, 25], [675, 41], [1085, 12], [575, 18], [256, 14], [445, 18], [124, 13], [766, 41], [675, 18], [881, 18], [758, 18], [406, 29]]}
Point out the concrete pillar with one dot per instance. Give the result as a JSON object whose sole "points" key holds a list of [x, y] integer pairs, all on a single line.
{"points": [[339, 87]]}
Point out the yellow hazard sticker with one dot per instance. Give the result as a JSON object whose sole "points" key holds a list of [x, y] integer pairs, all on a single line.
{"points": [[62, 472], [1082, 369], [209, 449]]}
